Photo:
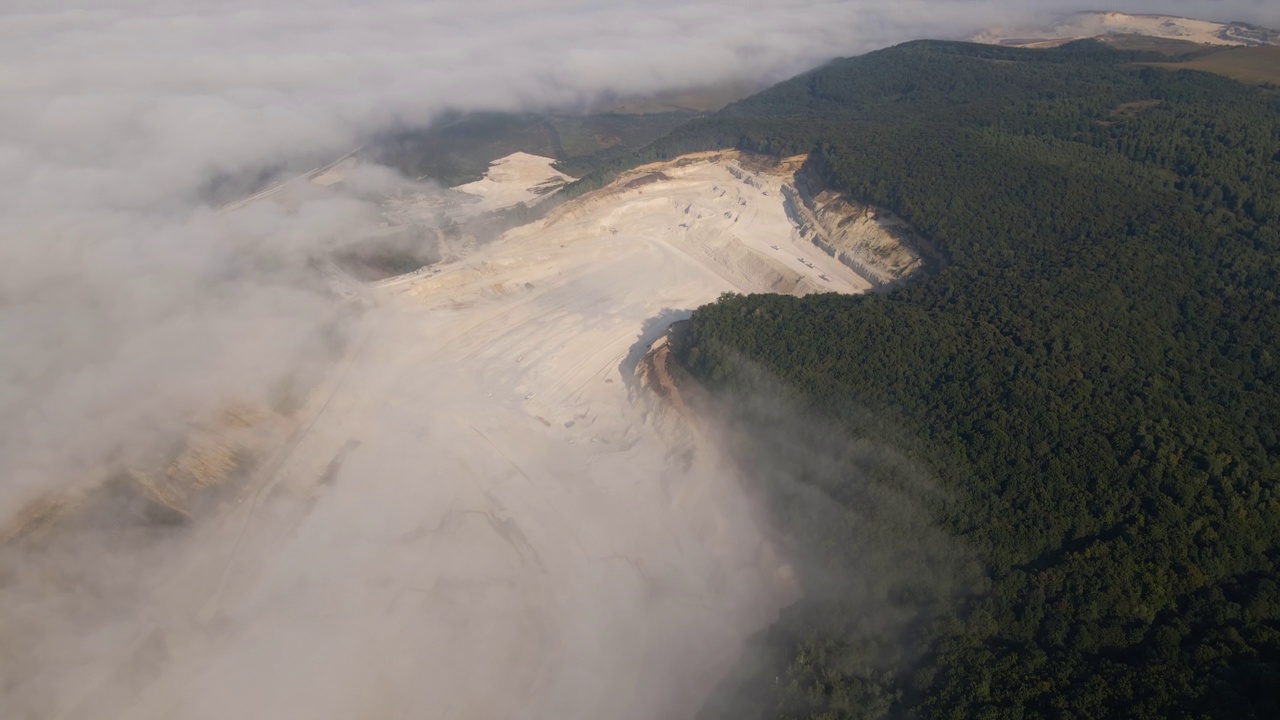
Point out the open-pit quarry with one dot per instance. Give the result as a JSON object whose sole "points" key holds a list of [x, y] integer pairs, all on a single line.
{"points": [[476, 513]]}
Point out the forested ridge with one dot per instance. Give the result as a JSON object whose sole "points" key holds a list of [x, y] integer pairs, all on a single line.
{"points": [[1091, 383]]}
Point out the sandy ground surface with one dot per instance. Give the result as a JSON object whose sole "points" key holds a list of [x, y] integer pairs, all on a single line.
{"points": [[708, 209], [516, 178], [476, 517], [1094, 24]]}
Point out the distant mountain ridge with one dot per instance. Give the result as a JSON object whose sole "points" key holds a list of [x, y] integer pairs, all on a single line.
{"points": [[1082, 25]]}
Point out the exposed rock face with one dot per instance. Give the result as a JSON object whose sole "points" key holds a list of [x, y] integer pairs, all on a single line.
{"points": [[661, 396], [873, 242]]}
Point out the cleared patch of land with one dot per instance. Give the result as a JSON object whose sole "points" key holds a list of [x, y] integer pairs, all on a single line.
{"points": [[516, 178]]}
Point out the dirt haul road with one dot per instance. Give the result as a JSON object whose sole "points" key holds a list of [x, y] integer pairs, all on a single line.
{"points": [[478, 521]]}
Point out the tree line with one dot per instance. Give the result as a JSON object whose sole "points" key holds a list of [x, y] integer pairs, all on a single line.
{"points": [[1090, 383]]}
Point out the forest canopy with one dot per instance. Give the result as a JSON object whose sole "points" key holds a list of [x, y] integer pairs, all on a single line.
{"points": [[1091, 382]]}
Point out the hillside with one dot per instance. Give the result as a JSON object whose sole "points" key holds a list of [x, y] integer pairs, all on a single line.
{"points": [[1247, 64], [458, 149], [1081, 25], [1084, 401]]}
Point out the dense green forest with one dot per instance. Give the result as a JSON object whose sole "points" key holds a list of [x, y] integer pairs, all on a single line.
{"points": [[1043, 482]]}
